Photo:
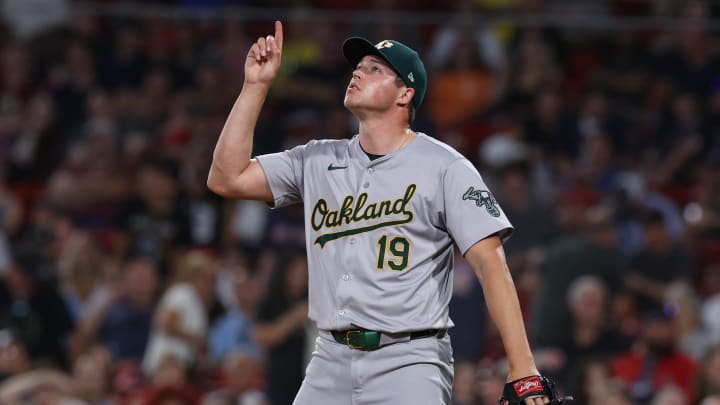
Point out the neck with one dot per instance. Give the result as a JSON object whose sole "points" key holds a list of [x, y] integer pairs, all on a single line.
{"points": [[380, 137]]}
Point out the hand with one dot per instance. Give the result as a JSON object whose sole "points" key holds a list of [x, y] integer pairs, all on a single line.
{"points": [[263, 59], [529, 401], [531, 390]]}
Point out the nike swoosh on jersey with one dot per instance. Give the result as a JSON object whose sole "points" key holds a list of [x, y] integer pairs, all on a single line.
{"points": [[331, 167]]}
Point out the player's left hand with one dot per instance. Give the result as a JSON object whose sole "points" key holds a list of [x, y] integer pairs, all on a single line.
{"points": [[531, 390], [263, 59]]}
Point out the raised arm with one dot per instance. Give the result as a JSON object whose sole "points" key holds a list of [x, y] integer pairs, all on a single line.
{"points": [[233, 174]]}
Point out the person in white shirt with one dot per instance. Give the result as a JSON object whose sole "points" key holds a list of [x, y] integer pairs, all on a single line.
{"points": [[181, 320]]}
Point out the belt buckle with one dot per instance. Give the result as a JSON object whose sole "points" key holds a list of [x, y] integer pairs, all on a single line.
{"points": [[348, 335]]}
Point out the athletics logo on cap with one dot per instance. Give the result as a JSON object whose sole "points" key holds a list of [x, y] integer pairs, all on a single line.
{"points": [[384, 44], [403, 59]]}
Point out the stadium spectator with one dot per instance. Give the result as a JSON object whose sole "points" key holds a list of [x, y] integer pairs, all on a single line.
{"points": [[178, 335], [280, 328], [654, 362]]}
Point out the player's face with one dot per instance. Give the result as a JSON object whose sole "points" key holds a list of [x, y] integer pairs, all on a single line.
{"points": [[374, 86]]}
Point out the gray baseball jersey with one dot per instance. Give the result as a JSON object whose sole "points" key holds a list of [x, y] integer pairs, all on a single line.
{"points": [[380, 233]]}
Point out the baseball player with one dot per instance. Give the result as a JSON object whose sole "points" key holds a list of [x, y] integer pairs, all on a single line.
{"points": [[383, 212]]}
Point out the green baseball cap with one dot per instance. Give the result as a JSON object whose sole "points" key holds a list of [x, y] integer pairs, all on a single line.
{"points": [[403, 59]]}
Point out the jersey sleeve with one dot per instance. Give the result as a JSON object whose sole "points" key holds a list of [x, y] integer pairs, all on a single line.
{"points": [[284, 174], [471, 211]]}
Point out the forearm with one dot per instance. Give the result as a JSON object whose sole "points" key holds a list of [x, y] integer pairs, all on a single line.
{"points": [[234, 147], [488, 260], [86, 331], [272, 333], [504, 309]]}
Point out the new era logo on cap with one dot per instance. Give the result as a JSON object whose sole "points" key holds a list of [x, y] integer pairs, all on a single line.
{"points": [[403, 59]]}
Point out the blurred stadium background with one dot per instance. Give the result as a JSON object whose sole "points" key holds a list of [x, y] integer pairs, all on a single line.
{"points": [[125, 281]]}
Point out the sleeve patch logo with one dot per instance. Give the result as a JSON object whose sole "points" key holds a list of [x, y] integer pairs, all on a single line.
{"points": [[483, 198]]}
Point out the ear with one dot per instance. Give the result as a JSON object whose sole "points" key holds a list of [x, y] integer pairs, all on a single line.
{"points": [[406, 95]]}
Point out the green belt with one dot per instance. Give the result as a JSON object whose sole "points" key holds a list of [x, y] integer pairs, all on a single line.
{"points": [[370, 339]]}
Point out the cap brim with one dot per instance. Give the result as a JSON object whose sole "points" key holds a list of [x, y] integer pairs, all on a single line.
{"points": [[355, 48]]}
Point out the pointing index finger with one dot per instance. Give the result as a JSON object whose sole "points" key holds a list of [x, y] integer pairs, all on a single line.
{"points": [[279, 34]]}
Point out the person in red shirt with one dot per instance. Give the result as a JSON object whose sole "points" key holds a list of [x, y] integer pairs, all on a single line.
{"points": [[654, 362]]}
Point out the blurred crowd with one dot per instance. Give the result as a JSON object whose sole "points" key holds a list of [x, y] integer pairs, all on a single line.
{"points": [[123, 280]]}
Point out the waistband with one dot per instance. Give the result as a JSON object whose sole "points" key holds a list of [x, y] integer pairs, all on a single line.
{"points": [[361, 339]]}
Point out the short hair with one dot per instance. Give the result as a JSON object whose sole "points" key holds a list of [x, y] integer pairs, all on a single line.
{"points": [[411, 113], [582, 284]]}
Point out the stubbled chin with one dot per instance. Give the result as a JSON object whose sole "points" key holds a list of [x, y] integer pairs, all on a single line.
{"points": [[351, 105]]}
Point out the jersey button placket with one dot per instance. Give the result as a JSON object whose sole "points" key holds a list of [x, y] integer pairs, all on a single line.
{"points": [[370, 170]]}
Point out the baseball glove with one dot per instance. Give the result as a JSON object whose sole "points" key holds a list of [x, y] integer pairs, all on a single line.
{"points": [[515, 392]]}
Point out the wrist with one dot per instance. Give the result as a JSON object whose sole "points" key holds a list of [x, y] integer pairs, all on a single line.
{"points": [[516, 374], [255, 86]]}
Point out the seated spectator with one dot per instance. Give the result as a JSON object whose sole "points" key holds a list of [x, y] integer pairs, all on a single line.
{"points": [[655, 362], [91, 376], [170, 384], [693, 339], [592, 336], [234, 330], [461, 88], [82, 275], [180, 322], [122, 322], [548, 131], [154, 223], [243, 375], [662, 262], [593, 253], [32, 307], [534, 66], [280, 328]]}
